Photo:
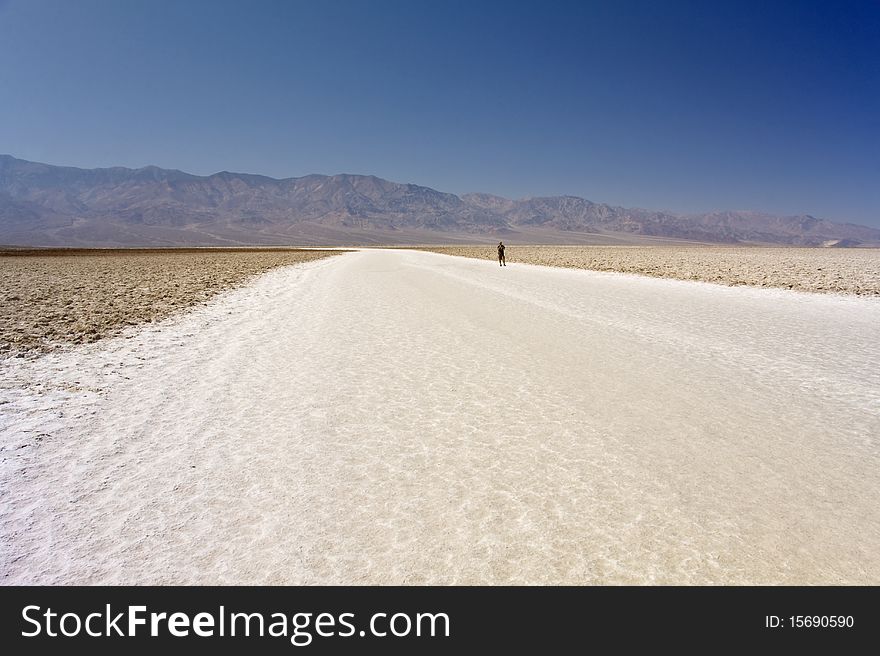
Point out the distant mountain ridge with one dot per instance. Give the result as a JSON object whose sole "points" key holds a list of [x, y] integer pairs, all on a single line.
{"points": [[41, 204]]}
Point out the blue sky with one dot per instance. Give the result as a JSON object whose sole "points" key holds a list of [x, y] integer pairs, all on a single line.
{"points": [[685, 106]]}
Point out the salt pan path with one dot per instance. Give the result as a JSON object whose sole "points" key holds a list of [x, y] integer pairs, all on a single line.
{"points": [[388, 417]]}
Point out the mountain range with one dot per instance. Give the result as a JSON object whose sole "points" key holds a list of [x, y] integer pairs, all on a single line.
{"points": [[45, 205]]}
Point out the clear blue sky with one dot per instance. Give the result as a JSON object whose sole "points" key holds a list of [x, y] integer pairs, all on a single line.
{"points": [[686, 106]]}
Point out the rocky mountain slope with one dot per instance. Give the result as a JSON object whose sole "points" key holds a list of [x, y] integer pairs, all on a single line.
{"points": [[42, 204]]}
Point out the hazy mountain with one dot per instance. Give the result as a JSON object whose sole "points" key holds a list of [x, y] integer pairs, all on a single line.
{"points": [[42, 204]]}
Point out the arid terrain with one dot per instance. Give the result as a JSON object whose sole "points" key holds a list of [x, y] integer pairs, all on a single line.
{"points": [[828, 270], [402, 417], [54, 297], [60, 205], [49, 298]]}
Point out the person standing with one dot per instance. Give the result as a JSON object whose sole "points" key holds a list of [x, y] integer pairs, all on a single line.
{"points": [[501, 261]]}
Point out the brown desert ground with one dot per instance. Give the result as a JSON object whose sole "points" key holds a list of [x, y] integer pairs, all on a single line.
{"points": [[826, 270], [54, 297]]}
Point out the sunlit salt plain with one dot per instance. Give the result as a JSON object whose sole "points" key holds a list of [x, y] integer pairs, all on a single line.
{"points": [[404, 417]]}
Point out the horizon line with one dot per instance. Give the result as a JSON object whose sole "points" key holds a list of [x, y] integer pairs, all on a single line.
{"points": [[457, 195]]}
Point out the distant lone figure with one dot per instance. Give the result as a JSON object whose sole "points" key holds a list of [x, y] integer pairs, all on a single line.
{"points": [[501, 261]]}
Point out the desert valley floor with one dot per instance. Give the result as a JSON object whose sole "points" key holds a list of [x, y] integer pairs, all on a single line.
{"points": [[394, 416]]}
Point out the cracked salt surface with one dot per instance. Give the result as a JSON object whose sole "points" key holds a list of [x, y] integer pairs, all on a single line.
{"points": [[406, 417]]}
